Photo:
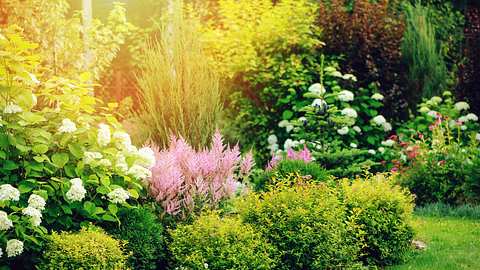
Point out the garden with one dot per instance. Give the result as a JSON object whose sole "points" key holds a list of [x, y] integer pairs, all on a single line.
{"points": [[239, 134]]}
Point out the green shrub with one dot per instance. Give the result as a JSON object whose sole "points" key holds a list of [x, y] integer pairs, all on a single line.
{"points": [[144, 232], [218, 243], [307, 224], [285, 167], [88, 249], [427, 71], [382, 212]]}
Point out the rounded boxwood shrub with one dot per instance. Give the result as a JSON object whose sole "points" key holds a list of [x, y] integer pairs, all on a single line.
{"points": [[218, 243], [285, 167], [88, 249], [382, 212], [144, 232], [306, 223]]}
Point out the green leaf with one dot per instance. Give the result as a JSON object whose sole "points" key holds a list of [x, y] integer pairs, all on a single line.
{"points": [[60, 159], [25, 186], [113, 209], [287, 115], [9, 165], [102, 190], [3, 155], [40, 149], [371, 140], [70, 171], [76, 150], [89, 207], [99, 210], [108, 217], [67, 210], [32, 118], [133, 193], [105, 180]]}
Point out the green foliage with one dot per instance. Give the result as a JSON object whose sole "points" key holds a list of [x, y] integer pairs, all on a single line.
{"points": [[382, 212], [465, 211], [50, 146], [62, 39], [346, 162], [306, 223], [427, 72], [179, 89], [285, 167], [87, 249], [144, 234], [218, 243]]}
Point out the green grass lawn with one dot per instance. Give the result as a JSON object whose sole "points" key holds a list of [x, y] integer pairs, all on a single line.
{"points": [[452, 243]]}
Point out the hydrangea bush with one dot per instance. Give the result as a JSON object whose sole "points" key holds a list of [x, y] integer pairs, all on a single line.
{"points": [[64, 159]]}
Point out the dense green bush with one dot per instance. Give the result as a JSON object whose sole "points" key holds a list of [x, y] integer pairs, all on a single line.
{"points": [[88, 249], [285, 167], [382, 212], [144, 234], [218, 243], [307, 224]]}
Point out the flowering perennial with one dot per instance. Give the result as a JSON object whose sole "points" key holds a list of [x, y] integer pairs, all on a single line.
{"points": [[184, 179], [9, 193], [67, 126], [77, 192], [118, 195], [5, 222], [14, 247]]}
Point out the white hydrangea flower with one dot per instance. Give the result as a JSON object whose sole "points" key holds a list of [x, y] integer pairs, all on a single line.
{"points": [[289, 127], [381, 150], [463, 127], [34, 214], [463, 119], [146, 157], [121, 163], [89, 157], [319, 103], [317, 89], [346, 96], [379, 120], [350, 77], [353, 145], [289, 143], [283, 123], [5, 222], [436, 99], [37, 202], [342, 131], [377, 96], [349, 112], [461, 105], [12, 108], [424, 109], [388, 143], [387, 127], [357, 129], [471, 117], [14, 248], [302, 119], [118, 195], [122, 139], [9, 193], [272, 139], [372, 152], [432, 114], [477, 136], [104, 162], [67, 126], [77, 192], [103, 135], [139, 172]]}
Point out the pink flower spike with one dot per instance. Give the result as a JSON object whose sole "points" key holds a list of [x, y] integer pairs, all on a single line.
{"points": [[247, 164]]}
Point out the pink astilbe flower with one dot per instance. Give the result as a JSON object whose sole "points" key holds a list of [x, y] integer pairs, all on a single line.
{"points": [[304, 155], [184, 179]]}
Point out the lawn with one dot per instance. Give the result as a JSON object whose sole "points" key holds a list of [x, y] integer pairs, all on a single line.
{"points": [[452, 243]]}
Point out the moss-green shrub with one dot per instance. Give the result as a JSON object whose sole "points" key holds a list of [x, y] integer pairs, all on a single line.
{"points": [[309, 170], [382, 212], [306, 223], [144, 232], [87, 249], [220, 243]]}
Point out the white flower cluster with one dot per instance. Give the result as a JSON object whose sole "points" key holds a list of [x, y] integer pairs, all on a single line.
{"points": [[118, 195], [90, 157], [461, 105], [468, 117], [139, 172], [146, 157], [372, 151], [388, 143], [349, 112], [122, 139], [12, 108], [272, 143], [433, 114], [9, 193], [77, 192], [477, 136], [14, 247], [317, 89], [345, 96], [34, 214], [289, 144], [357, 129], [353, 145], [37, 202], [67, 126], [379, 120], [5, 222], [435, 100], [377, 96], [121, 163], [103, 135], [343, 130], [285, 124]]}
